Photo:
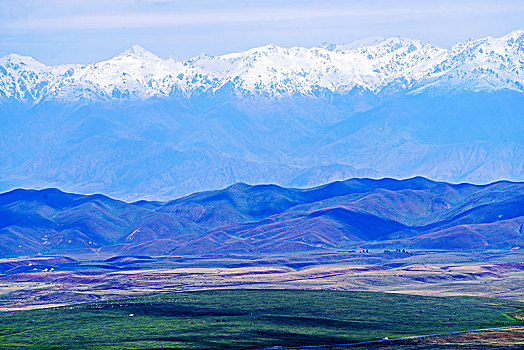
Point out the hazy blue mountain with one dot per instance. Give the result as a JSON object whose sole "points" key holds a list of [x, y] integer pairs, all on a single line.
{"points": [[138, 126]]}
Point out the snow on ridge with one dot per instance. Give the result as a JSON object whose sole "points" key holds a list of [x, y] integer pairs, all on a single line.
{"points": [[357, 44], [370, 64]]}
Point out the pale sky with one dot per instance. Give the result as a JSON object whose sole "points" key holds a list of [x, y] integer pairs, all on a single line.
{"points": [[73, 31]]}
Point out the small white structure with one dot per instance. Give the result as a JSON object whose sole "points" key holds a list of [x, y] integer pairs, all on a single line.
{"points": [[131, 315]]}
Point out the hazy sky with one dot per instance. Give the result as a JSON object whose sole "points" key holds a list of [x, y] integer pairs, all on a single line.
{"points": [[70, 31]]}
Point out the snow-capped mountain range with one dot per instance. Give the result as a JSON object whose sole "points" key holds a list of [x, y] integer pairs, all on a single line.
{"points": [[138, 126], [375, 65]]}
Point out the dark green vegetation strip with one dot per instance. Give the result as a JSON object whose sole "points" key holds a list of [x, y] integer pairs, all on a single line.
{"points": [[237, 319]]}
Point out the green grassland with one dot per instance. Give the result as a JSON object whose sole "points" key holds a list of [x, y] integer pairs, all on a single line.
{"points": [[240, 319]]}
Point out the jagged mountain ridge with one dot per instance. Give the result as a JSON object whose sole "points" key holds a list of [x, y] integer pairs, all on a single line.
{"points": [[138, 126], [267, 219], [392, 65]]}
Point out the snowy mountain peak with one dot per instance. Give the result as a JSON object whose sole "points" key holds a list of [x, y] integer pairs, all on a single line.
{"points": [[396, 65], [516, 34], [139, 53], [24, 62]]}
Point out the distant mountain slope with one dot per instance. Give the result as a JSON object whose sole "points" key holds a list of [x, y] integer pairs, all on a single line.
{"points": [[138, 126], [468, 136], [244, 219]]}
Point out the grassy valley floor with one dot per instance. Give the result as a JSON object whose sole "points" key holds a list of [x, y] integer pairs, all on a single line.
{"points": [[243, 319]]}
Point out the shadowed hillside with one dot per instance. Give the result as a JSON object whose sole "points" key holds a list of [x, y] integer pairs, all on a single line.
{"points": [[244, 219]]}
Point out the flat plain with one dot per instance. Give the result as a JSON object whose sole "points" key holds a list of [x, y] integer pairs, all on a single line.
{"points": [[243, 319], [27, 283], [244, 302]]}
